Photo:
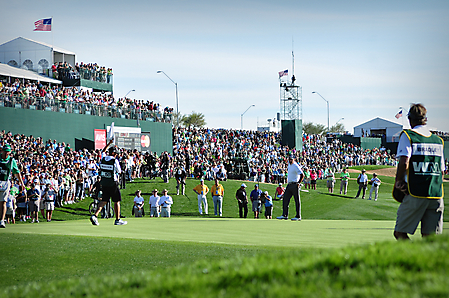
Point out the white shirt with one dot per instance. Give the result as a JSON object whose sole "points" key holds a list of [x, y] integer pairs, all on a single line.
{"points": [[155, 201], [139, 200], [166, 201], [294, 172], [375, 180], [363, 178]]}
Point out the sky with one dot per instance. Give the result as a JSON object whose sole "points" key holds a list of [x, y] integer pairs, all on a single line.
{"points": [[366, 58]]}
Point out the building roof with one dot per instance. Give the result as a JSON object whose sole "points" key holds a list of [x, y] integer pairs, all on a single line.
{"points": [[55, 49], [378, 123], [10, 71]]}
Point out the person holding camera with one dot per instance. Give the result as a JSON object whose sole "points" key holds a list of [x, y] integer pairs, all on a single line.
{"points": [[375, 183]]}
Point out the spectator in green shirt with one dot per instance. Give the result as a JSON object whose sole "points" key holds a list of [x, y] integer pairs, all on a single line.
{"points": [[344, 181]]}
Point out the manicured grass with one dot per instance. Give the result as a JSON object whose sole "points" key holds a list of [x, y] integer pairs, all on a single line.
{"points": [[369, 167], [342, 248], [386, 269]]}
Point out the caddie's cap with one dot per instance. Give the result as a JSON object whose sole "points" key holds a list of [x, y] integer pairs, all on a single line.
{"points": [[112, 150], [7, 148]]}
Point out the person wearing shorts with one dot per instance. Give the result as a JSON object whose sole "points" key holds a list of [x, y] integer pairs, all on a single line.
{"points": [[34, 203], [109, 172], [8, 167], [419, 176]]}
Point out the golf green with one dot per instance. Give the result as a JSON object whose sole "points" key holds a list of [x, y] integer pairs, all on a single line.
{"points": [[228, 231]]}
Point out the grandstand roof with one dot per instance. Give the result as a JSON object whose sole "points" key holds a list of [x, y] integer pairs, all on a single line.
{"points": [[55, 49], [14, 72]]}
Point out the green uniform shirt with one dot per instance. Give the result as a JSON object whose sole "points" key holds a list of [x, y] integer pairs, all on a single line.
{"points": [[425, 178], [8, 166], [344, 176]]}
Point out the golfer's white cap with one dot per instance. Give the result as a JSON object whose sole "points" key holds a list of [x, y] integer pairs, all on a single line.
{"points": [[243, 185]]}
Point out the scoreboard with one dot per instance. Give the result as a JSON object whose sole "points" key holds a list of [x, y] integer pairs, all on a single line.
{"points": [[128, 140]]}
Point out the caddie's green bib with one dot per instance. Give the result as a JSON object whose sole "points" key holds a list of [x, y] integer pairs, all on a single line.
{"points": [[425, 178]]}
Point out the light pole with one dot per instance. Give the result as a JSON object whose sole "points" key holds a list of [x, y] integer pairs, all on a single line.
{"points": [[241, 116], [176, 87], [129, 93], [327, 109], [339, 120]]}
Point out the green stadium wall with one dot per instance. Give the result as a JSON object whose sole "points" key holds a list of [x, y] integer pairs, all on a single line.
{"points": [[66, 127]]}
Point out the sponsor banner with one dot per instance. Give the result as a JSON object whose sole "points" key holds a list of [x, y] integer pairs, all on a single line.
{"points": [[145, 142], [100, 138]]}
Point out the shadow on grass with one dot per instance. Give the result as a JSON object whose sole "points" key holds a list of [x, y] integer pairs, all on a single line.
{"points": [[75, 211], [337, 195]]}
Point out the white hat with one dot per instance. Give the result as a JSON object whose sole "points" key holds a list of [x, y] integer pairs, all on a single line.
{"points": [[243, 185], [266, 192]]}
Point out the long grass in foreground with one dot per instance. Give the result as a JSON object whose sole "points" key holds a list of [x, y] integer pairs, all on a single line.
{"points": [[387, 269]]}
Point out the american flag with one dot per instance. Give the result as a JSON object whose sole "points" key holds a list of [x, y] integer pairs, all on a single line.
{"points": [[283, 73], [399, 114], [43, 25]]}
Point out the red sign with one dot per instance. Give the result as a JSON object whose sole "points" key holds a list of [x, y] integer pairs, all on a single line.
{"points": [[100, 138]]}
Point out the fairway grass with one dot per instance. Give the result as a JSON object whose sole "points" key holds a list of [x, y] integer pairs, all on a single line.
{"points": [[228, 231]]}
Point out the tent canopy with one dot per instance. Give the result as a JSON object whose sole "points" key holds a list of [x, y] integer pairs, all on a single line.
{"points": [[14, 72]]}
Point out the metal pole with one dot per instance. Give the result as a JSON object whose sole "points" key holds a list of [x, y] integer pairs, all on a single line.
{"points": [[176, 88], [327, 109], [241, 116]]}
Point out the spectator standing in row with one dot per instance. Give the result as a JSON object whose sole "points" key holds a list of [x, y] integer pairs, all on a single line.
{"points": [[422, 185], [362, 180], [154, 204], [375, 183], [166, 202], [242, 199], [268, 206], [344, 176], [295, 177], [138, 204], [34, 196], [217, 191], [202, 190], [48, 197], [255, 197], [330, 181], [8, 166]]}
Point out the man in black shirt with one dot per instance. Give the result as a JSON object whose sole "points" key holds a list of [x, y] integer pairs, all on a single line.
{"points": [[241, 197]]}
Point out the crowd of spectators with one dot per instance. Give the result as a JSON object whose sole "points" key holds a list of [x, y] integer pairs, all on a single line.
{"points": [[202, 152], [89, 71], [205, 152], [71, 174], [75, 100]]}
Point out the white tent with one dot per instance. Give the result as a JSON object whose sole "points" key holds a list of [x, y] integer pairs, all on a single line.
{"points": [[378, 126], [33, 55], [13, 72]]}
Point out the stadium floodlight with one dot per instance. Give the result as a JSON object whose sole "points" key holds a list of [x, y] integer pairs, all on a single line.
{"points": [[327, 109], [129, 93], [241, 116], [176, 87]]}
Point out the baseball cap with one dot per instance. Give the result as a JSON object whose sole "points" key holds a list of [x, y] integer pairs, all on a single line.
{"points": [[280, 184], [266, 192], [363, 170], [243, 185], [7, 148]]}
